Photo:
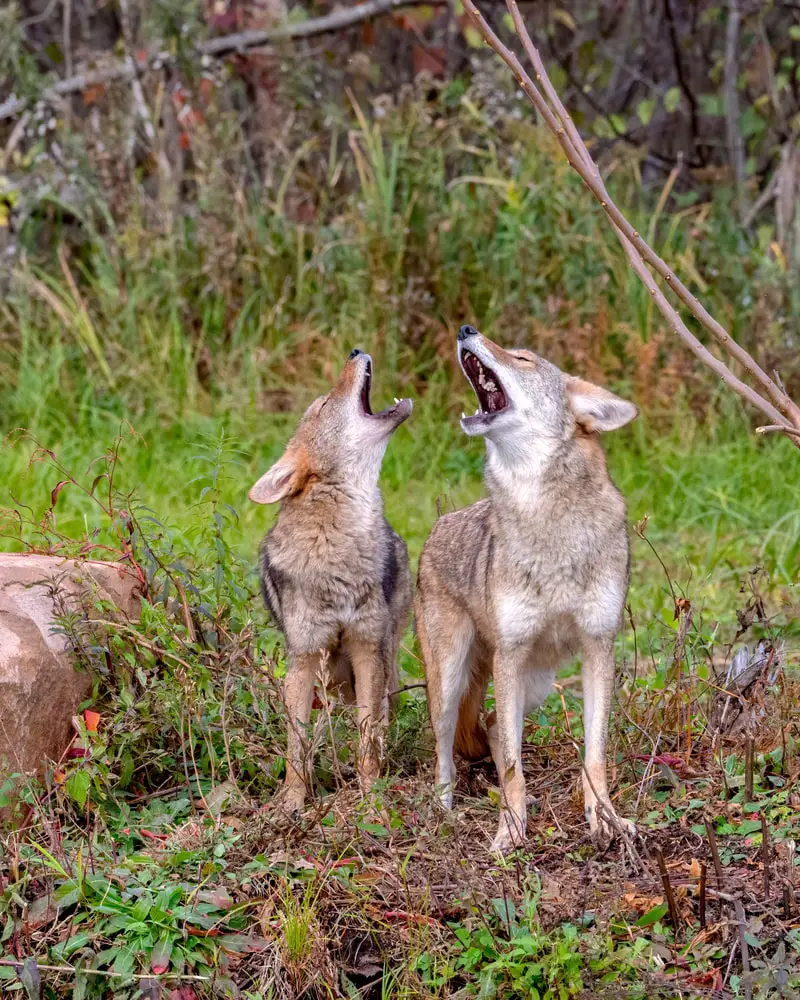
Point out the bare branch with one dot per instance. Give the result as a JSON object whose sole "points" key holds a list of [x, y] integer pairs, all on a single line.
{"points": [[778, 428], [239, 42], [778, 406]]}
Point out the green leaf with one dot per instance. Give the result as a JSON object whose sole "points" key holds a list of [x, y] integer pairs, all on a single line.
{"points": [[794, 32], [653, 915], [126, 771], [123, 961], [160, 955], [645, 110], [672, 99], [712, 104], [618, 123], [30, 978], [508, 21], [142, 908], [77, 786], [473, 37], [80, 987], [67, 895]]}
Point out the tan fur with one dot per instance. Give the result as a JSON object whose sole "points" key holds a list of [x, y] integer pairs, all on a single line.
{"points": [[517, 583], [334, 574]]}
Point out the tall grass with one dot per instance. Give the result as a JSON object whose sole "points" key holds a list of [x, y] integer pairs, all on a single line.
{"points": [[235, 315]]}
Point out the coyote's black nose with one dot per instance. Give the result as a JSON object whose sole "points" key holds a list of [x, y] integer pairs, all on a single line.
{"points": [[355, 353], [467, 331]]}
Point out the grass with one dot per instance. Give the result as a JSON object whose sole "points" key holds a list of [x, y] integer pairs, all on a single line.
{"points": [[199, 343], [715, 505]]}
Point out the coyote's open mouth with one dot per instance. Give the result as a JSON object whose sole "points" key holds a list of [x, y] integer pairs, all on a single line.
{"points": [[400, 405], [491, 395]]}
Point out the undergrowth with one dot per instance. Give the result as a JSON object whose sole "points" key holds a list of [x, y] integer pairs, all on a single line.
{"points": [[145, 865]]}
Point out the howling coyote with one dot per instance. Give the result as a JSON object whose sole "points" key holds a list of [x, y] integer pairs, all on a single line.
{"points": [[520, 581], [334, 574]]}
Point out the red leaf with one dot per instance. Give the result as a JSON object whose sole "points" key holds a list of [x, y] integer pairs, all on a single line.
{"points": [[242, 944], [433, 58], [218, 897], [92, 720], [93, 94], [56, 490]]}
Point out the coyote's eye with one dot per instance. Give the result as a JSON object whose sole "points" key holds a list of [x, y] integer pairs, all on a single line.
{"points": [[522, 357]]}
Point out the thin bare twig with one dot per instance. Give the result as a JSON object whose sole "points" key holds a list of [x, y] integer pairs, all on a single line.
{"points": [[779, 429], [109, 974], [774, 401]]}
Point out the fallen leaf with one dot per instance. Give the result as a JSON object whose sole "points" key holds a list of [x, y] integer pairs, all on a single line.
{"points": [[91, 720]]}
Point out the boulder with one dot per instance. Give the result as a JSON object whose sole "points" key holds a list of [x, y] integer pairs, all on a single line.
{"points": [[40, 689]]}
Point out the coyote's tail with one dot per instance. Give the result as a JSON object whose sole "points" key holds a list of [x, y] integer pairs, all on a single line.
{"points": [[471, 740]]}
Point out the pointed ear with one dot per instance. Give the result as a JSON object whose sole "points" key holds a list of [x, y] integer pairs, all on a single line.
{"points": [[597, 409], [286, 477]]}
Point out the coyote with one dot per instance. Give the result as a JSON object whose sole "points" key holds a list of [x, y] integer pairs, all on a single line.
{"points": [[334, 574], [513, 585]]}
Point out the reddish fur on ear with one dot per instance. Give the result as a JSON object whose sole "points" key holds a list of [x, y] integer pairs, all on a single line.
{"points": [[596, 409], [287, 477]]}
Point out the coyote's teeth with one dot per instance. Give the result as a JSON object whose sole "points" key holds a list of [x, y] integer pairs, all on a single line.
{"points": [[478, 412], [463, 415], [396, 399]]}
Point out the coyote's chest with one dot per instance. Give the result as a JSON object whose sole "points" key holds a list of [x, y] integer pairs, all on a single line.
{"points": [[554, 595]]}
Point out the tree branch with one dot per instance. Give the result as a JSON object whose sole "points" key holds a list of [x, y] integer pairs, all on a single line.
{"points": [[778, 406], [216, 47]]}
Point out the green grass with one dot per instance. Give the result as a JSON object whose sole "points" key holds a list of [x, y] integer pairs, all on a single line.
{"points": [[716, 507]]}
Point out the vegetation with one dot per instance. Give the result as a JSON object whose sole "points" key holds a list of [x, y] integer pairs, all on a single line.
{"points": [[169, 344]]}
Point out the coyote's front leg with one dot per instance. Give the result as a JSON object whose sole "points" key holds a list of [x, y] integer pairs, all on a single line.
{"points": [[598, 689], [371, 677], [505, 739], [299, 695]]}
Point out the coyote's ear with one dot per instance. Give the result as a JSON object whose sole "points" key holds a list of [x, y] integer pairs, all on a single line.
{"points": [[597, 409], [287, 476]]}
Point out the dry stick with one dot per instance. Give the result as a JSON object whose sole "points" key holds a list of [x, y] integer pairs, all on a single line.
{"points": [[765, 854], [748, 770], [108, 973], [769, 428], [702, 892], [787, 413], [742, 922], [673, 909], [712, 843], [238, 42]]}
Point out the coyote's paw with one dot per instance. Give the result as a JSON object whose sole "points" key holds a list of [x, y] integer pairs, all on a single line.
{"points": [[289, 802], [605, 825], [510, 834], [445, 795]]}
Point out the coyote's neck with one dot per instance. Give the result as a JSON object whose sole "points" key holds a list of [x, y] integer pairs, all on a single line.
{"points": [[545, 482], [336, 508]]}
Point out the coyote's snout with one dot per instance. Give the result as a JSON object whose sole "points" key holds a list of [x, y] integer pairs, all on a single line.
{"points": [[334, 574], [536, 572]]}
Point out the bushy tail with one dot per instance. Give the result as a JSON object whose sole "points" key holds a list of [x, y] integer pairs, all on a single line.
{"points": [[471, 740]]}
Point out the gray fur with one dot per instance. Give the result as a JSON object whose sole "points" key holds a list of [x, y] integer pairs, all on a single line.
{"points": [[334, 574], [515, 584]]}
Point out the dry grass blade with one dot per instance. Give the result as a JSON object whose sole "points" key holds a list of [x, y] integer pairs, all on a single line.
{"points": [[774, 402]]}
